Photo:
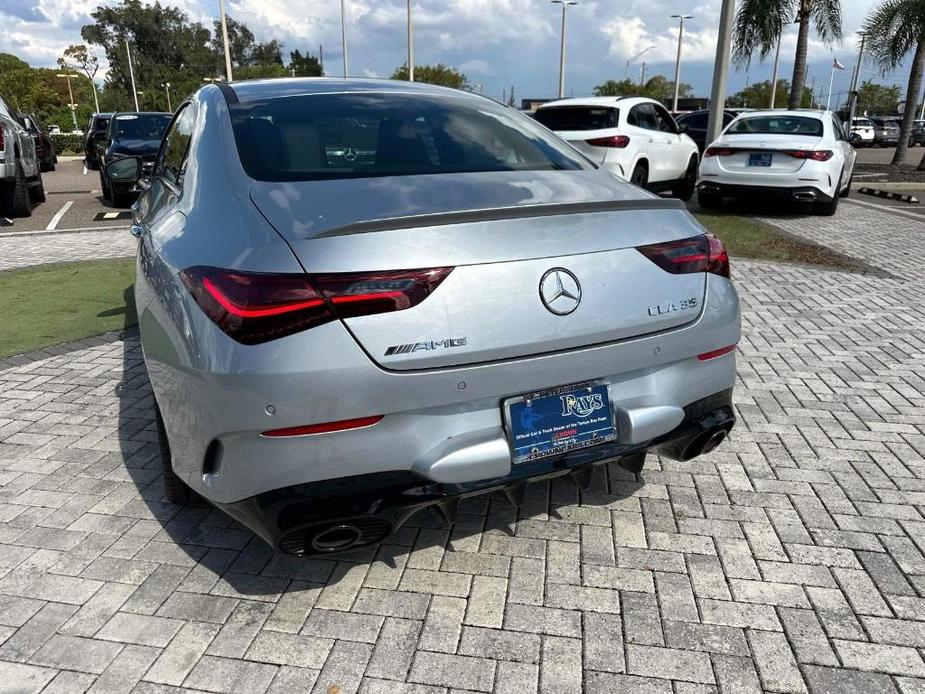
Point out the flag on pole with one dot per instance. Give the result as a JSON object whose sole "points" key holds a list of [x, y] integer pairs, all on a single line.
{"points": [[837, 65]]}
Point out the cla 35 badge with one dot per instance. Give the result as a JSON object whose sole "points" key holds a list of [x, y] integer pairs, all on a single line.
{"points": [[672, 306], [427, 345]]}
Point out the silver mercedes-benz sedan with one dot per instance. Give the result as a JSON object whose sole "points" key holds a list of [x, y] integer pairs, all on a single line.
{"points": [[361, 298]]}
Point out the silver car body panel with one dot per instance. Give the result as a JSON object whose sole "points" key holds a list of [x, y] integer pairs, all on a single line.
{"points": [[442, 415]]}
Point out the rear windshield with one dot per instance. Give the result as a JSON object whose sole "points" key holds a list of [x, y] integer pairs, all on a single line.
{"points": [[132, 126], [578, 117], [327, 136], [777, 125], [862, 121]]}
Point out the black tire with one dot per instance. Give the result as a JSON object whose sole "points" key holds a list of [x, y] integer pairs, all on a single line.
{"points": [[175, 489], [104, 185], [37, 192], [15, 200], [640, 175], [709, 201], [685, 190], [847, 191]]}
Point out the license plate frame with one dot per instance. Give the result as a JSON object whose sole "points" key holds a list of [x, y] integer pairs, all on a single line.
{"points": [[563, 431], [764, 159]]}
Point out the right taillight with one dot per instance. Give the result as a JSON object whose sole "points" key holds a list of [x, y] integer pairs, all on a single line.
{"points": [[704, 253], [255, 307], [617, 141]]}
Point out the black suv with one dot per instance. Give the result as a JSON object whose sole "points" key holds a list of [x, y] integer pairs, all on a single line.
{"points": [[44, 147], [130, 135], [97, 134], [695, 123]]}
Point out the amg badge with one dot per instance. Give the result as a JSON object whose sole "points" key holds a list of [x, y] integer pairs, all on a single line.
{"points": [[431, 344], [672, 306]]}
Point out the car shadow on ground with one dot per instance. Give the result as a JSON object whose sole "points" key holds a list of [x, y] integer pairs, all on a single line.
{"points": [[204, 537], [756, 207]]}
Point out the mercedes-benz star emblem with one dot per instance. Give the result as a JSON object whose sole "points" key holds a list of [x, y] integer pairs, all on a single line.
{"points": [[560, 291]]}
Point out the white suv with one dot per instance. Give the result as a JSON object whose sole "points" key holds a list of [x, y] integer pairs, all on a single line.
{"points": [[634, 137]]}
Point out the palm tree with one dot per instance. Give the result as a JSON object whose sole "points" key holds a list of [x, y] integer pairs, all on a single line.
{"points": [[759, 25], [893, 30]]}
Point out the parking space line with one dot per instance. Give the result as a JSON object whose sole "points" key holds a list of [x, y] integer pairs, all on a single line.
{"points": [[58, 215], [888, 208], [39, 232]]}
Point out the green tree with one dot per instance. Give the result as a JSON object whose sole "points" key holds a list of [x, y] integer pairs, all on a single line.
{"points": [[304, 65], [759, 25], [878, 99], [658, 87], [434, 74], [79, 58], [240, 42], [894, 29], [758, 95]]}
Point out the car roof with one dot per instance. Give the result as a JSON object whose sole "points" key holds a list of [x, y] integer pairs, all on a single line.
{"points": [[787, 112], [141, 113], [254, 90], [598, 101]]}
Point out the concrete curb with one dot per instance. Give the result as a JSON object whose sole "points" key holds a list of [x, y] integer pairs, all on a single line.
{"points": [[899, 185], [889, 195]]}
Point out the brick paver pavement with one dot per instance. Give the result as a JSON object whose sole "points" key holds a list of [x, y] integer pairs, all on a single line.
{"points": [[789, 560], [38, 249]]}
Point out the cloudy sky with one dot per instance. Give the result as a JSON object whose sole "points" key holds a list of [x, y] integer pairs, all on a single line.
{"points": [[498, 43]]}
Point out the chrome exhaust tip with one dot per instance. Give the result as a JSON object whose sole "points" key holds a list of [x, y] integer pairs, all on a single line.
{"points": [[704, 442], [804, 196], [336, 538], [715, 440]]}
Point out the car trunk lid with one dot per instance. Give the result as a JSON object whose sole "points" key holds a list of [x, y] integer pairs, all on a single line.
{"points": [[764, 153], [511, 238]]}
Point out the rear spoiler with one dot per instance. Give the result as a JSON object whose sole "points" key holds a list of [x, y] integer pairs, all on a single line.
{"points": [[501, 213]]}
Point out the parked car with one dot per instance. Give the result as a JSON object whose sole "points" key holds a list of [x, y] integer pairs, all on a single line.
{"points": [[54, 130], [886, 131], [335, 343], [21, 183], [861, 133], [96, 134], [797, 155], [694, 124], [44, 147], [917, 137], [634, 137], [130, 134]]}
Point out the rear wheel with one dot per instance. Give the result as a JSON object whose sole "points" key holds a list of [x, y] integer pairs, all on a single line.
{"points": [[37, 192], [14, 196], [640, 176], [175, 489], [685, 189], [847, 191], [709, 201]]}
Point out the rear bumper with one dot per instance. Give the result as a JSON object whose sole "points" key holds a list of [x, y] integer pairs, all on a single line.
{"points": [[795, 193], [362, 510]]}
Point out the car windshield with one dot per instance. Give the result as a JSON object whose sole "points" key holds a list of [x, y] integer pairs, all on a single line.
{"points": [[777, 125], [578, 117], [327, 136], [140, 127]]}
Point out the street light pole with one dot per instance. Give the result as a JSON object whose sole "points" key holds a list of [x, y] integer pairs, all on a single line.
{"points": [[221, 9], [70, 95], [774, 72], [131, 73], [853, 92], [677, 64], [721, 70], [565, 4], [410, 47], [167, 89], [343, 33], [633, 59]]}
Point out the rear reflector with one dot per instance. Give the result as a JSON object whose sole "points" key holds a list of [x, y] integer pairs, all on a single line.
{"points": [[704, 253], [326, 428], [618, 141], [706, 356], [255, 307]]}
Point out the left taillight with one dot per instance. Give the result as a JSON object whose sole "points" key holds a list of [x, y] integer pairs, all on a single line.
{"points": [[256, 307], [704, 253]]}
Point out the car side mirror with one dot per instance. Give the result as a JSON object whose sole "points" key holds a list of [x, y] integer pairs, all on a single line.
{"points": [[124, 170]]}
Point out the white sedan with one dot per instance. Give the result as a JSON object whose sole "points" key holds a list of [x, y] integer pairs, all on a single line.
{"points": [[803, 156], [634, 137]]}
